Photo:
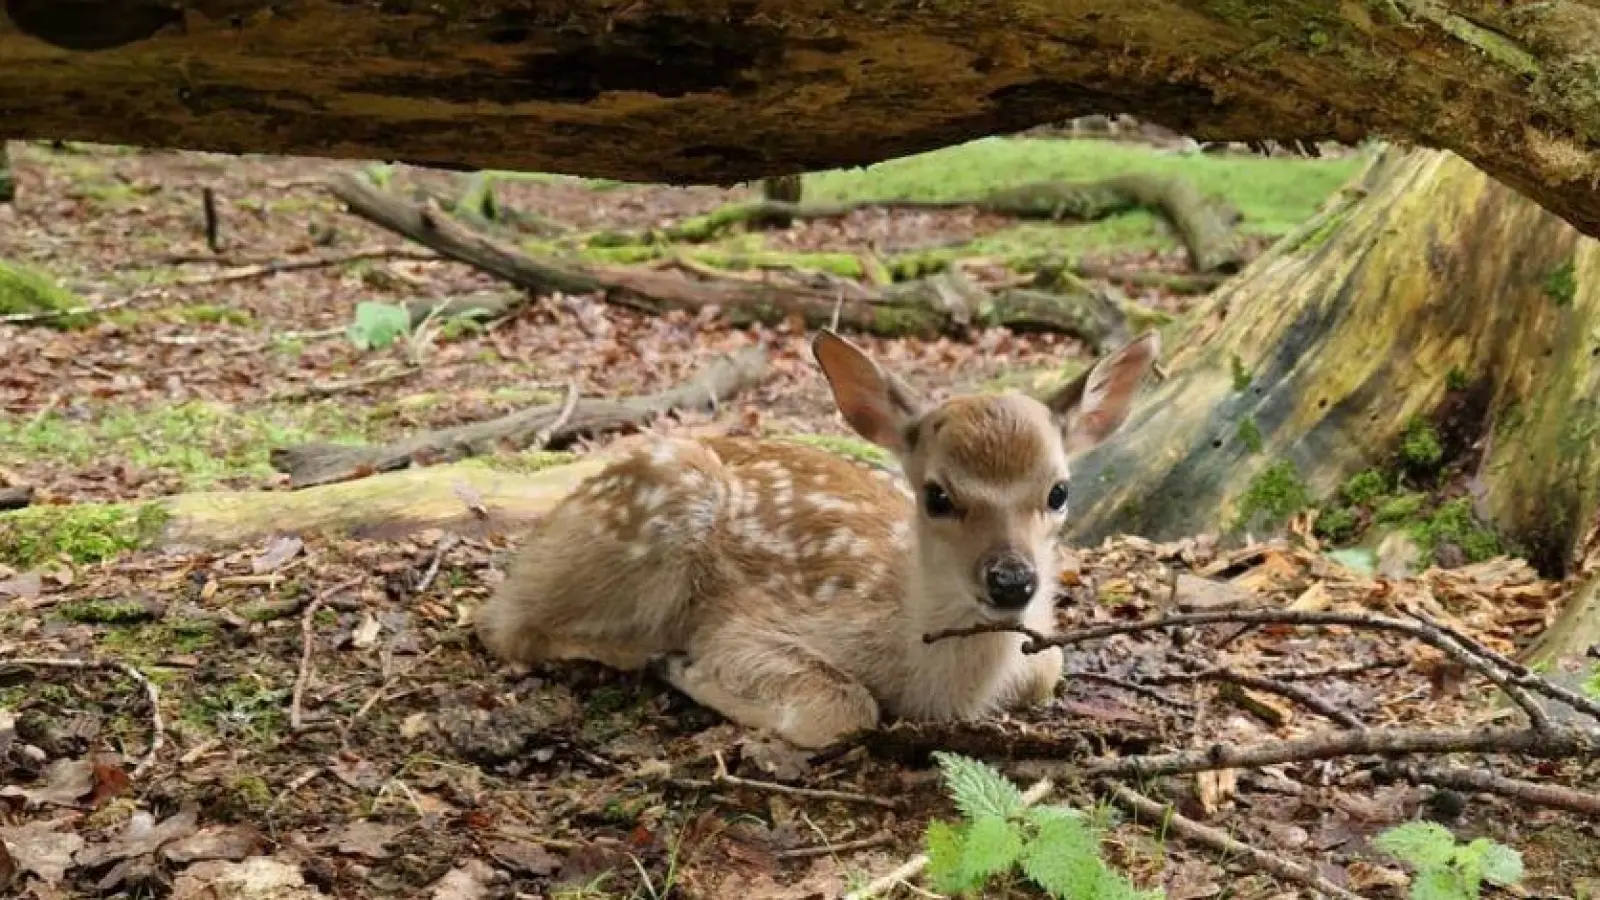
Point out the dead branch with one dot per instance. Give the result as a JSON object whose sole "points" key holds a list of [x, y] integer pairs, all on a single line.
{"points": [[1256, 682], [723, 776], [317, 464], [1211, 244], [542, 439], [345, 386], [882, 839], [1167, 816], [158, 732], [944, 304], [1456, 778]]}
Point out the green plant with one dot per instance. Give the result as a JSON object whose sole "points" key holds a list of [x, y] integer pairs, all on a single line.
{"points": [[1056, 847], [1447, 870], [378, 325]]}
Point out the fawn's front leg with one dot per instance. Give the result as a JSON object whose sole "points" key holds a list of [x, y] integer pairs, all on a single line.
{"points": [[762, 681], [1037, 685]]}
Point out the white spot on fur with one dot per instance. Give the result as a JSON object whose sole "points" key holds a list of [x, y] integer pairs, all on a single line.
{"points": [[829, 503], [828, 591], [663, 452], [650, 498], [637, 552]]}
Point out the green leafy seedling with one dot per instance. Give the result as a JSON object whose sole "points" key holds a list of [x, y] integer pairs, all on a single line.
{"points": [[1447, 870], [378, 325]]}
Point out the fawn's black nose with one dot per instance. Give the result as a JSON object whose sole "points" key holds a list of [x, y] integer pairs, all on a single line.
{"points": [[1010, 581]]}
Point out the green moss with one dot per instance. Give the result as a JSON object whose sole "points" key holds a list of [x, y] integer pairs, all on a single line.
{"points": [[1454, 523], [1561, 285], [249, 792], [1274, 494], [526, 462], [1455, 379], [1399, 508], [246, 708], [1241, 376], [854, 448], [208, 314], [24, 289], [1364, 487], [1591, 685], [1337, 525], [1420, 450], [1250, 435], [147, 643], [104, 612], [85, 533]]}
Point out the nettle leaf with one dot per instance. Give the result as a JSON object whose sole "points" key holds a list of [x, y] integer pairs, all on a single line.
{"points": [[1441, 883], [377, 325], [1502, 865], [992, 846], [943, 844], [977, 788], [1425, 845], [1063, 858]]}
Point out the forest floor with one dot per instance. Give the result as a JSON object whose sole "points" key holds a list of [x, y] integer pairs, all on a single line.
{"points": [[429, 770]]}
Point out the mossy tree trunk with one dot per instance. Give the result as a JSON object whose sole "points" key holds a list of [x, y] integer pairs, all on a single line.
{"points": [[1425, 292]]}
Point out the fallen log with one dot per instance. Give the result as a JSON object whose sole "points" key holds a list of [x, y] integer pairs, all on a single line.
{"points": [[554, 424], [15, 497], [1211, 243], [944, 304]]}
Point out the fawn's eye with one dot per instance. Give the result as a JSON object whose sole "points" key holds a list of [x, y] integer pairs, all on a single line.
{"points": [[937, 502], [1058, 497]]}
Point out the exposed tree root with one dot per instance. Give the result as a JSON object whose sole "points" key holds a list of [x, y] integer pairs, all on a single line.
{"points": [[941, 304], [1212, 246], [548, 425]]}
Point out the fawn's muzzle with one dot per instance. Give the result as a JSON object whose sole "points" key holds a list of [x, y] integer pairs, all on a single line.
{"points": [[1010, 581]]}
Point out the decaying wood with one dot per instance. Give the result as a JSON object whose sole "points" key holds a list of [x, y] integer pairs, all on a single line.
{"points": [[15, 497], [1211, 243], [717, 91], [941, 304], [1424, 291], [724, 377]]}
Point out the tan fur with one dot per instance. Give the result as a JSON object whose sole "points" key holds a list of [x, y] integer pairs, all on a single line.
{"points": [[789, 588]]}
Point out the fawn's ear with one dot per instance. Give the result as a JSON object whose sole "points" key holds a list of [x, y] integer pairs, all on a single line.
{"points": [[1095, 404], [879, 406]]}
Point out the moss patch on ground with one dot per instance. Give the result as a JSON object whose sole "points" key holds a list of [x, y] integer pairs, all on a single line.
{"points": [[24, 289], [87, 533], [1273, 495], [203, 443]]}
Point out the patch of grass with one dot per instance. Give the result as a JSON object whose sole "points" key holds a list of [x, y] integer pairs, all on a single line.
{"points": [[1420, 449], [1338, 525], [24, 289], [201, 442], [1275, 493], [144, 644], [109, 611], [247, 708], [1399, 507], [86, 533], [1364, 487], [1274, 195], [208, 314], [1454, 523]]}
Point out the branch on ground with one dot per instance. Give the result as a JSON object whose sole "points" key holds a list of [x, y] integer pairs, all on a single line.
{"points": [[1212, 246], [944, 304], [724, 377]]}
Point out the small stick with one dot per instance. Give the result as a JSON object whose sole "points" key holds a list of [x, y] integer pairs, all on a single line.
{"points": [[1131, 687], [722, 776], [208, 200], [542, 438], [1223, 843], [866, 843], [1551, 795], [1334, 671], [345, 386], [307, 644], [914, 866], [1290, 692], [158, 735], [445, 543]]}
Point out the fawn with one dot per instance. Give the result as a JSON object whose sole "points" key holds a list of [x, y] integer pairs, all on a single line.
{"points": [[789, 589]]}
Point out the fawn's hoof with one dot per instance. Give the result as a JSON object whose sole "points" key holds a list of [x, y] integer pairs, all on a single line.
{"points": [[669, 666]]}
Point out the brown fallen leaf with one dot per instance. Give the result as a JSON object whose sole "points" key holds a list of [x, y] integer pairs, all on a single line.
{"points": [[66, 781], [1194, 593], [234, 842], [468, 881], [525, 857], [110, 781], [39, 848], [140, 836], [277, 554], [27, 586], [365, 837], [256, 878], [777, 759]]}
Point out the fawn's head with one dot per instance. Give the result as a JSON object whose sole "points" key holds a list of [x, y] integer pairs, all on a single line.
{"points": [[989, 471]]}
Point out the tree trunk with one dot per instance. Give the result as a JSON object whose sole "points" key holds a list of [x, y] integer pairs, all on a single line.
{"points": [[717, 91], [8, 182], [1426, 292]]}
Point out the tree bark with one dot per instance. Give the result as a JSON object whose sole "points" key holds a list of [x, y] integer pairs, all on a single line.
{"points": [[716, 91], [552, 424], [1424, 291], [941, 304]]}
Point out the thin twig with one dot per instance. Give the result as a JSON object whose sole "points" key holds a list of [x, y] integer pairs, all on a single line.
{"points": [[541, 439], [722, 776], [344, 386], [914, 866], [1223, 843], [445, 543], [1131, 687], [1436, 635], [308, 635], [1293, 693], [1345, 671], [866, 843], [1484, 782], [158, 734]]}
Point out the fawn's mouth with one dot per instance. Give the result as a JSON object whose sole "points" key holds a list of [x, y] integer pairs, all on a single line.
{"points": [[990, 614]]}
